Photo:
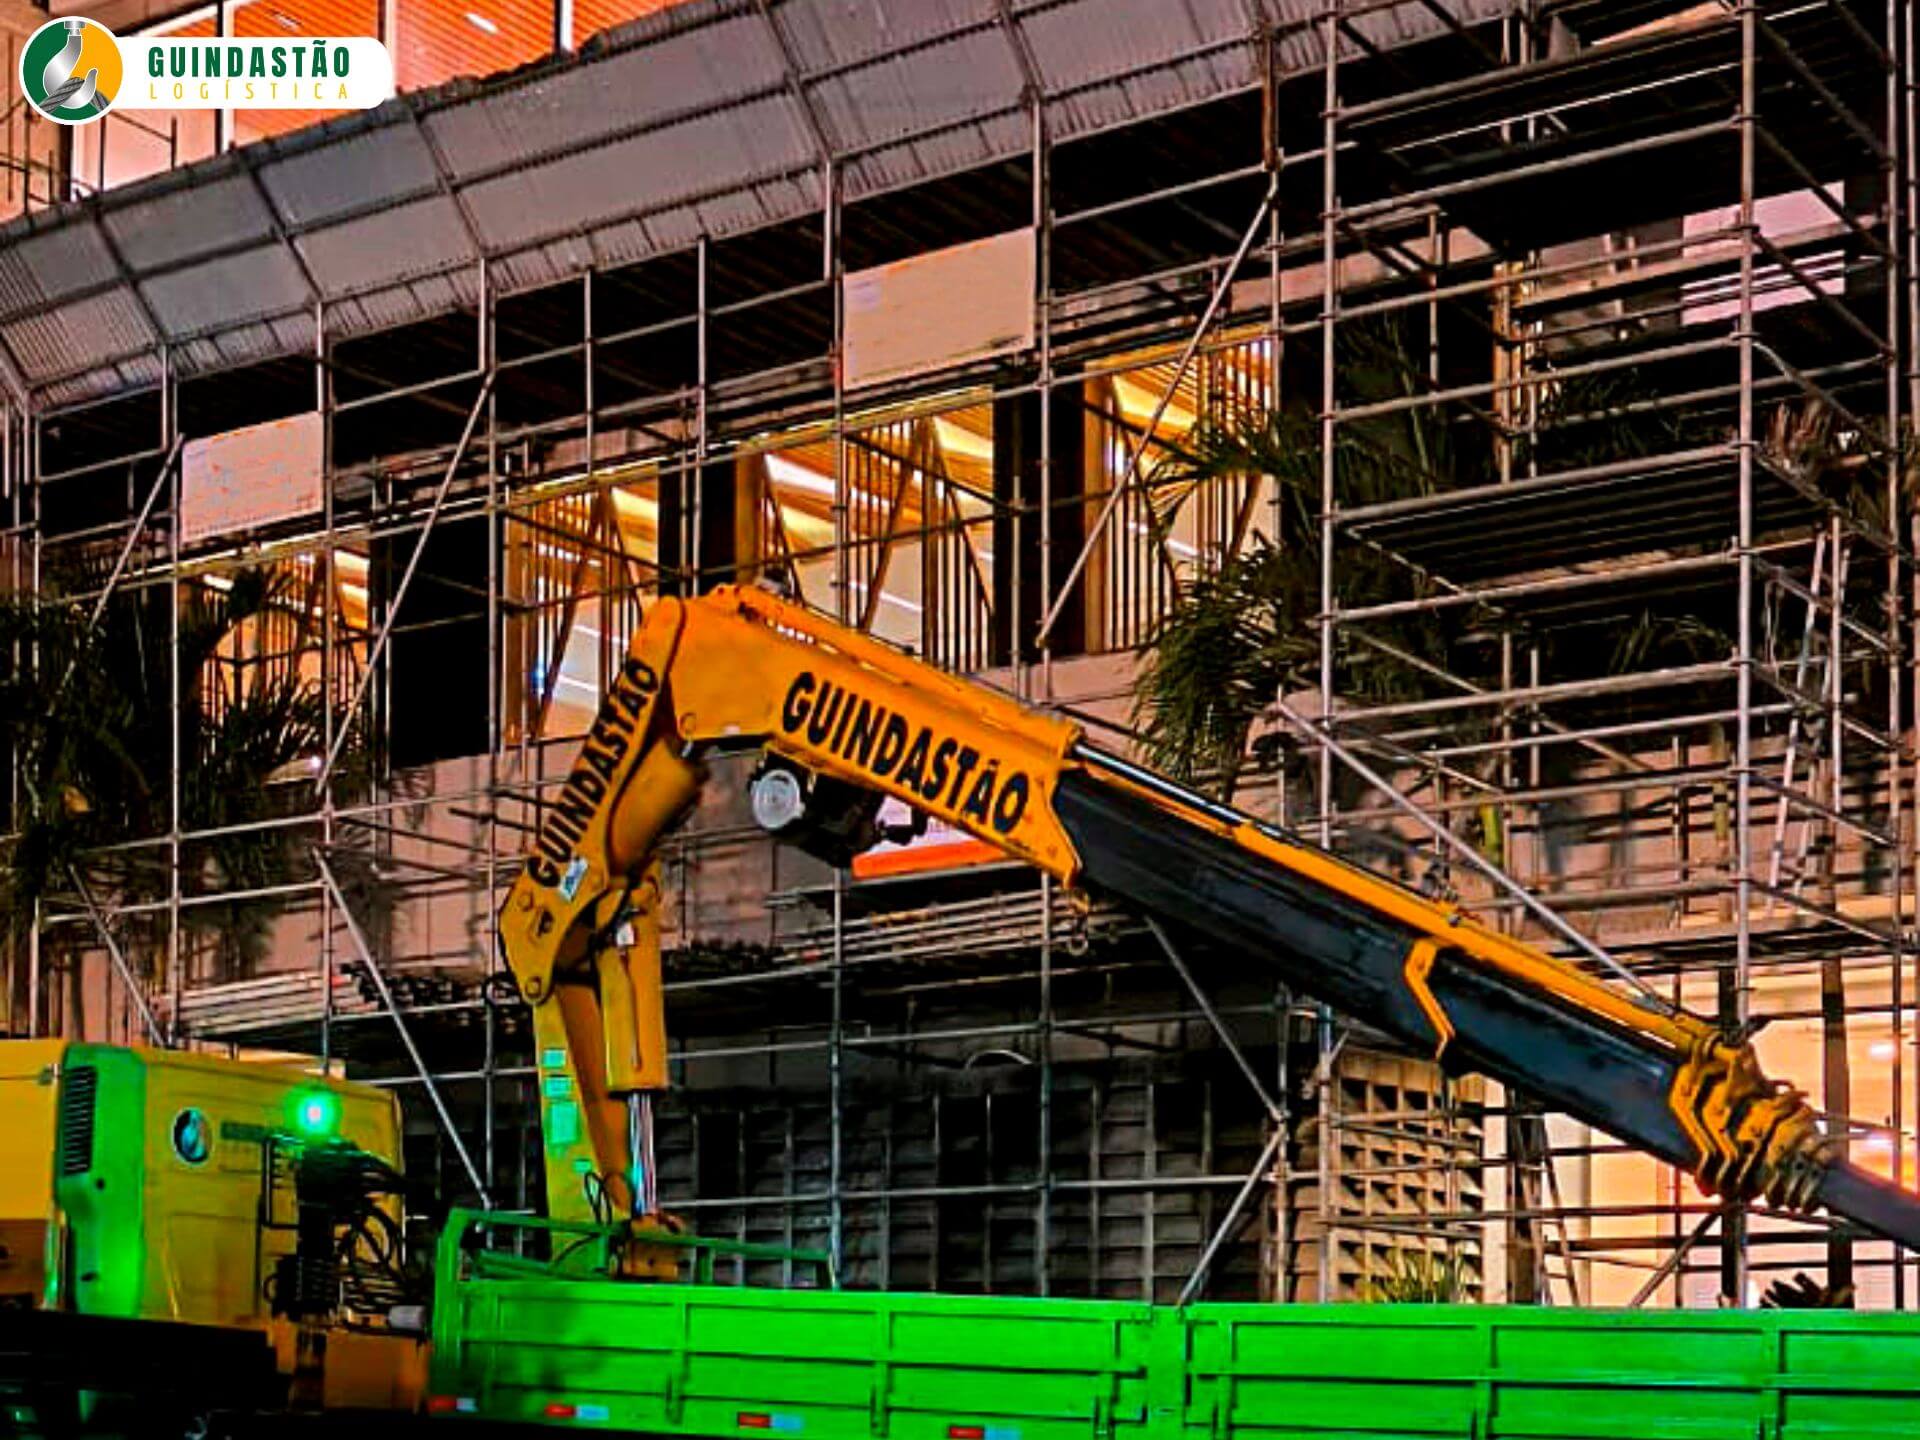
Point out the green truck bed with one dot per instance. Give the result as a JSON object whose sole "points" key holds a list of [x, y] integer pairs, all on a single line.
{"points": [[842, 1365]]}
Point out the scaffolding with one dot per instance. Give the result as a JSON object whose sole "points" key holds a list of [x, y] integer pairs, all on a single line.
{"points": [[1694, 217], [1600, 321]]}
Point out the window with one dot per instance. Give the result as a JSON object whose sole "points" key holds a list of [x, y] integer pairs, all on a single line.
{"points": [[279, 19], [437, 40], [128, 145]]}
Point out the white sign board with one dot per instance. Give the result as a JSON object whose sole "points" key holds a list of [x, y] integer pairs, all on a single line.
{"points": [[967, 302], [247, 478]]}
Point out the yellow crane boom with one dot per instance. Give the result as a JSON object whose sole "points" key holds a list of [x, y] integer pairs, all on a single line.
{"points": [[843, 720]]}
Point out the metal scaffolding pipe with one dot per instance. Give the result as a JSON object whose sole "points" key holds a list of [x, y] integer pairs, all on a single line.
{"points": [[379, 644], [1222, 288], [155, 1035], [379, 978], [1540, 910]]}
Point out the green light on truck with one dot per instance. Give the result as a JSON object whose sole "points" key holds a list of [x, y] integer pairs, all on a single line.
{"points": [[316, 1114]]}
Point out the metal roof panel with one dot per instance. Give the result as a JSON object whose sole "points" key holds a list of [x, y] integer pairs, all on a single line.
{"points": [[1083, 41], [963, 78], [138, 372], [201, 299], [672, 126], [825, 34], [246, 344], [945, 152], [648, 85], [541, 265], [352, 174], [1120, 101], [696, 157], [397, 305], [58, 340], [671, 229], [67, 257], [190, 220], [620, 243], [417, 238]]}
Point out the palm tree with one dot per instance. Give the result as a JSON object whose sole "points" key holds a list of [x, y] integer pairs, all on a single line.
{"points": [[85, 713], [1246, 631]]}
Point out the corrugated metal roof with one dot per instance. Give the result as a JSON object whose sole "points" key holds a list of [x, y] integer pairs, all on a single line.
{"points": [[404, 304], [945, 152], [831, 34], [222, 294], [190, 221], [65, 260], [289, 334], [584, 105], [1107, 104], [693, 158], [57, 341], [1077, 44], [680, 124], [964, 77], [543, 265], [351, 175], [141, 372], [418, 238]]}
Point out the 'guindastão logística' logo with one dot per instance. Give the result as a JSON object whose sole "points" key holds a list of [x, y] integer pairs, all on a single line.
{"points": [[70, 70], [73, 70]]}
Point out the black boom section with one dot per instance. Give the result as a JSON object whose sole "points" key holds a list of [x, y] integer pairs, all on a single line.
{"points": [[1242, 909]]}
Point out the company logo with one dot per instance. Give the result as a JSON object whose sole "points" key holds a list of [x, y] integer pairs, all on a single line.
{"points": [[73, 70], [554, 863], [952, 778]]}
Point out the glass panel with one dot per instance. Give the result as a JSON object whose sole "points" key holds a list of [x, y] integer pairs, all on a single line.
{"points": [[282, 643], [577, 567], [1167, 528], [918, 515]]}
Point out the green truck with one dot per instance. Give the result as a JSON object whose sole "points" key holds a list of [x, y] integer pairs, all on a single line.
{"points": [[559, 1344], [155, 1305]]}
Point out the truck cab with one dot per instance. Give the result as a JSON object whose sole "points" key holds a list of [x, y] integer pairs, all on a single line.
{"points": [[152, 1204]]}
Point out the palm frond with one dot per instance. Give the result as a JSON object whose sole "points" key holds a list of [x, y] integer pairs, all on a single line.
{"points": [[1419, 1277], [86, 712], [1247, 631], [1241, 634], [1657, 639]]}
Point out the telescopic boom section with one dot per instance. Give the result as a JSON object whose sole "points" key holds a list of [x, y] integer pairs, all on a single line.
{"points": [[843, 721]]}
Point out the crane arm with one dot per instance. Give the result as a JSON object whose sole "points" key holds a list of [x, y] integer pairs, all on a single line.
{"points": [[843, 720], [737, 668]]}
